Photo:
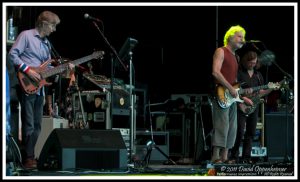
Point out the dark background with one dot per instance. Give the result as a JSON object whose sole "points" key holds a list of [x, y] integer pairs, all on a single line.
{"points": [[175, 43]]}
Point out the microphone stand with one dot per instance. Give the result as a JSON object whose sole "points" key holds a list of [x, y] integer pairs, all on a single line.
{"points": [[268, 60], [126, 53], [287, 78], [132, 108], [151, 143], [115, 54], [287, 158], [59, 58], [284, 72]]}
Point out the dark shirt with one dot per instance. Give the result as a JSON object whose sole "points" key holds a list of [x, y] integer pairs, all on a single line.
{"points": [[246, 81]]}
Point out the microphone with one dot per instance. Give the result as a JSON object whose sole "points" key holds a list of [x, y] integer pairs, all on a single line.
{"points": [[252, 41], [87, 16]]}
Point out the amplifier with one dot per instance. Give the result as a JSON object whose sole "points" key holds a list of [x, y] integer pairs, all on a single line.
{"points": [[96, 108], [280, 136]]}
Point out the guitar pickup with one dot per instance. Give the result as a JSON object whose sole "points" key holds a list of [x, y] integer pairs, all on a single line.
{"points": [[26, 81]]}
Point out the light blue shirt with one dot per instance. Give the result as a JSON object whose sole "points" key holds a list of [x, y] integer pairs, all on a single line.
{"points": [[29, 50]]}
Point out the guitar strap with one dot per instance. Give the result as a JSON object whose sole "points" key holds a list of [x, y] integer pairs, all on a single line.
{"points": [[57, 78], [54, 53], [237, 57], [259, 78]]}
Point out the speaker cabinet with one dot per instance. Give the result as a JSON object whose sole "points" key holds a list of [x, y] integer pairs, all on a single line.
{"points": [[279, 134], [70, 149]]}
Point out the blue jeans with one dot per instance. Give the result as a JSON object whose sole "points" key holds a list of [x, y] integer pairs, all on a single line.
{"points": [[31, 115]]}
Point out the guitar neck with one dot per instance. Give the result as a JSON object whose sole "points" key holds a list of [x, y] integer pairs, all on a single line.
{"points": [[63, 67], [242, 91]]}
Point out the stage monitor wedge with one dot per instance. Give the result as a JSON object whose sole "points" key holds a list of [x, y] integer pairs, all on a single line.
{"points": [[72, 149]]}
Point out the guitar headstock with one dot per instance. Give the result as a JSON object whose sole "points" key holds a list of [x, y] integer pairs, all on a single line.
{"points": [[272, 85], [285, 83], [98, 54], [282, 84]]}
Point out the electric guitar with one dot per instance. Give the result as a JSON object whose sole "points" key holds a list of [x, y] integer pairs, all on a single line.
{"points": [[246, 109], [225, 99], [31, 86]]}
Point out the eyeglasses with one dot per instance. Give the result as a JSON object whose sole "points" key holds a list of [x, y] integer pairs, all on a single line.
{"points": [[251, 63], [52, 25]]}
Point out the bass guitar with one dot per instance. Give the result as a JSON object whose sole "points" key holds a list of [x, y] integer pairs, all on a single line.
{"points": [[225, 99], [31, 86], [247, 109]]}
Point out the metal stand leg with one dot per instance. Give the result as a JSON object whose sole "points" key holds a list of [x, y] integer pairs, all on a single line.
{"points": [[164, 154], [150, 146], [203, 137]]}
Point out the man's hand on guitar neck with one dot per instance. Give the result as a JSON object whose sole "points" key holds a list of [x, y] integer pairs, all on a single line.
{"points": [[71, 66]]}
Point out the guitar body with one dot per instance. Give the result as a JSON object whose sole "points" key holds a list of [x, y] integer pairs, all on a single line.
{"points": [[29, 85], [246, 109], [225, 99]]}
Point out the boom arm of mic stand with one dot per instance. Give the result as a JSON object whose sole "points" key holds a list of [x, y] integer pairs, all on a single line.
{"points": [[285, 73], [110, 46]]}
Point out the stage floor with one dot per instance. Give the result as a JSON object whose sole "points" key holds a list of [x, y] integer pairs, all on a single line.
{"points": [[160, 170]]}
